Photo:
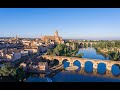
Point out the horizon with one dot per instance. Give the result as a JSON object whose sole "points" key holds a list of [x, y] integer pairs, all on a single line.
{"points": [[63, 38], [71, 23]]}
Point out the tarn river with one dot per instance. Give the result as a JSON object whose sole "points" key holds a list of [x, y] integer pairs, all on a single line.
{"points": [[86, 74]]}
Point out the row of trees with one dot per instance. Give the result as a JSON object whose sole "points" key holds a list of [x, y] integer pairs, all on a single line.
{"points": [[108, 44], [64, 50], [114, 55], [111, 46]]}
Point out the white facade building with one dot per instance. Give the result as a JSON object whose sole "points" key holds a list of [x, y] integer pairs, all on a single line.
{"points": [[16, 56], [24, 53]]}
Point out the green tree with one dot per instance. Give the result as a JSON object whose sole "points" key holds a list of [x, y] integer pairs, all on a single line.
{"points": [[20, 74], [59, 50], [85, 45], [65, 50], [49, 51], [7, 70], [79, 55]]}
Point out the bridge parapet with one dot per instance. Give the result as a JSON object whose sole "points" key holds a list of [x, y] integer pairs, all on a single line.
{"points": [[95, 62]]}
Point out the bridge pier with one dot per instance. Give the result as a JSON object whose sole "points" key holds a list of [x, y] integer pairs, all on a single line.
{"points": [[95, 65], [60, 62], [91, 44], [109, 74], [82, 64], [71, 64], [108, 67], [95, 71], [86, 44], [82, 61], [83, 45]]}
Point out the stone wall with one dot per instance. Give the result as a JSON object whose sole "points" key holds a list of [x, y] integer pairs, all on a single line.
{"points": [[95, 62]]}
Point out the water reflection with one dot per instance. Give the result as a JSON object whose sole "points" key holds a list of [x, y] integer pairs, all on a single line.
{"points": [[115, 70], [80, 75], [77, 63], [37, 78], [101, 68], [83, 76], [88, 67], [92, 53], [66, 64], [108, 74]]}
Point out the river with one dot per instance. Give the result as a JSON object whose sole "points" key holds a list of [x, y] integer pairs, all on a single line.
{"points": [[84, 74], [92, 54]]}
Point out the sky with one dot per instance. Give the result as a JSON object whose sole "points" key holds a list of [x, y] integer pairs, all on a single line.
{"points": [[71, 23]]}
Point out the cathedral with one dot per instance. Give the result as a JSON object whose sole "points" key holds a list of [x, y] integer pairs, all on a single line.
{"points": [[54, 38]]}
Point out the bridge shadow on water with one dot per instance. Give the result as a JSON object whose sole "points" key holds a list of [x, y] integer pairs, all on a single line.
{"points": [[101, 68], [85, 74]]}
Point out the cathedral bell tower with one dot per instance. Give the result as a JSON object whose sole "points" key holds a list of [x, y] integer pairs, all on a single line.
{"points": [[56, 33]]}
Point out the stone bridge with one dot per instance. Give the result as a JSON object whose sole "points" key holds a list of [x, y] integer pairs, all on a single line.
{"points": [[83, 61], [91, 43]]}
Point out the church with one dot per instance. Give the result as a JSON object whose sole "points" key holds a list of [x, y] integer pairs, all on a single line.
{"points": [[56, 38]]}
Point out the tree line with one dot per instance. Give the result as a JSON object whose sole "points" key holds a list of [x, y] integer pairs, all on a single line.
{"points": [[112, 48], [65, 50]]}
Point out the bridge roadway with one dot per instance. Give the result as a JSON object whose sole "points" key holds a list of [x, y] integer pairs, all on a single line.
{"points": [[91, 43], [95, 62]]}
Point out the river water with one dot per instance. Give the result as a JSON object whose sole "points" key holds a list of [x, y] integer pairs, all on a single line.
{"points": [[86, 74], [91, 53]]}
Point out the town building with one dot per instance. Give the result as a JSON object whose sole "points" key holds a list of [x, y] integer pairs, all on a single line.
{"points": [[16, 55], [43, 66], [24, 53], [12, 54], [56, 38]]}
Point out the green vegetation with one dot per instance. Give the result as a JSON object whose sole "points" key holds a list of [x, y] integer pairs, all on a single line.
{"points": [[85, 45], [7, 70], [114, 55], [110, 48], [20, 74], [49, 51], [79, 55], [64, 50], [108, 44], [13, 73], [89, 45], [107, 48]]}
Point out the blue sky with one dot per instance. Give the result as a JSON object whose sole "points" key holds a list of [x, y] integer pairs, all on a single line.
{"points": [[81, 23]]}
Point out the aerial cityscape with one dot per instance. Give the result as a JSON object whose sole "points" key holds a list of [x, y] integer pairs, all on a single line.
{"points": [[59, 45]]}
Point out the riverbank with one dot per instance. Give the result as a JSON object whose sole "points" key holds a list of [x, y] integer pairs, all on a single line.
{"points": [[8, 79], [92, 53], [112, 53], [102, 51]]}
